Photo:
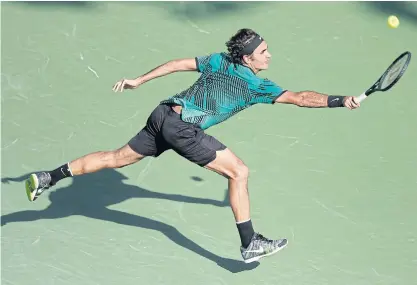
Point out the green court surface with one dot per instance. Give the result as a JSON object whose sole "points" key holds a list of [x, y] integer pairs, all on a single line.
{"points": [[340, 185]]}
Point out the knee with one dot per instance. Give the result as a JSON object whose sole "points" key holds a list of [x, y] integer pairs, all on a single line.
{"points": [[116, 160], [239, 171], [109, 159]]}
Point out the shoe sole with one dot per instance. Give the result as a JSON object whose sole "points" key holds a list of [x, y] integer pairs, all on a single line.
{"points": [[32, 184], [256, 258]]}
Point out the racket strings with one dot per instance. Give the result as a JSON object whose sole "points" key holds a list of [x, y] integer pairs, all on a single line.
{"points": [[394, 72]]}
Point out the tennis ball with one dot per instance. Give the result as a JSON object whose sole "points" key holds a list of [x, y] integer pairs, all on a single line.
{"points": [[393, 22]]}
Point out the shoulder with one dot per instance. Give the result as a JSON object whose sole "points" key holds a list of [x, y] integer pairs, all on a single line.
{"points": [[216, 61], [220, 57]]}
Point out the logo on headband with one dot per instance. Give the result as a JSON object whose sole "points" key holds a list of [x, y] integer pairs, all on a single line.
{"points": [[251, 45]]}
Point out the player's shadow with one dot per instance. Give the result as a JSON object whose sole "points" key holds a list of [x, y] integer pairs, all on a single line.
{"points": [[91, 195]]}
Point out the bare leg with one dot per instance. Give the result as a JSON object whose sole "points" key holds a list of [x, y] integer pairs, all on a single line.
{"points": [[86, 164], [104, 159], [231, 167], [254, 245]]}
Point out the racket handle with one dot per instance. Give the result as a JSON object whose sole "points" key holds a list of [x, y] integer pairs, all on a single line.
{"points": [[361, 97]]}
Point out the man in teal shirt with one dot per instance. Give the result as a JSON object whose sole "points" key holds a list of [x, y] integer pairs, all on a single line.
{"points": [[228, 84], [223, 89]]}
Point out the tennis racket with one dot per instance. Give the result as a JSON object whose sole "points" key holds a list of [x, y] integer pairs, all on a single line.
{"points": [[390, 77]]}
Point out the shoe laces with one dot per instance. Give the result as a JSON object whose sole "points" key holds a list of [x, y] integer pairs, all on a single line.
{"points": [[262, 238]]}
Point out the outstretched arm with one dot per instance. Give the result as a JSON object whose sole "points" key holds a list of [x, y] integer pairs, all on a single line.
{"points": [[187, 64], [312, 99]]}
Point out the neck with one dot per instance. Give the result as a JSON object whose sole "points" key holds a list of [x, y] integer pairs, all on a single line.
{"points": [[254, 70]]}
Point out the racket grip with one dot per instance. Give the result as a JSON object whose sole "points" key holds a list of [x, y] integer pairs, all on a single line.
{"points": [[361, 97]]}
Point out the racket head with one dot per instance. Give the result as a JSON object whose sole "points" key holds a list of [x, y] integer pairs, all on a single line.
{"points": [[394, 72]]}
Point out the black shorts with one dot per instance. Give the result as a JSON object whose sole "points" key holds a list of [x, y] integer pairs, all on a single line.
{"points": [[166, 130]]}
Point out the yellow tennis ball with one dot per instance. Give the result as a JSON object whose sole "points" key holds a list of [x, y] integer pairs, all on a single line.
{"points": [[393, 22]]}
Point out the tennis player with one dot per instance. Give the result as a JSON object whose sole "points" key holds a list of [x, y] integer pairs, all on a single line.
{"points": [[228, 84]]}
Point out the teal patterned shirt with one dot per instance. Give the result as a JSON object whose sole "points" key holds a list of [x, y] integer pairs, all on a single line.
{"points": [[222, 90]]}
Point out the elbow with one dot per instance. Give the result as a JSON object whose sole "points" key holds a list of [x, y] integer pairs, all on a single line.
{"points": [[294, 98]]}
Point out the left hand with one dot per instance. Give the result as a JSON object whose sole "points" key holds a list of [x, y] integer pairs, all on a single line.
{"points": [[125, 84], [351, 102]]}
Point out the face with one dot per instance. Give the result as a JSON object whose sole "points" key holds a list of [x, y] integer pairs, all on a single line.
{"points": [[259, 59]]}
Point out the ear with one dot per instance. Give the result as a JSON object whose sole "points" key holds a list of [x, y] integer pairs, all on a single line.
{"points": [[246, 59]]}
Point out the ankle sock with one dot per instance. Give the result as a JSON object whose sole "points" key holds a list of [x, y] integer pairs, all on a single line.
{"points": [[60, 173], [246, 232]]}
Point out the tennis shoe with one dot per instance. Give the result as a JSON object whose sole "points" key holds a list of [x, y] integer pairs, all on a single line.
{"points": [[260, 247]]}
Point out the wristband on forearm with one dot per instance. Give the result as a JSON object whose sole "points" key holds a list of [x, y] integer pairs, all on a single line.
{"points": [[335, 101]]}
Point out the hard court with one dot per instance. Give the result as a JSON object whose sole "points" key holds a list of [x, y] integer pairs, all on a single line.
{"points": [[339, 184]]}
